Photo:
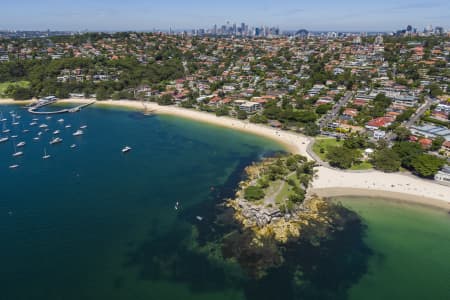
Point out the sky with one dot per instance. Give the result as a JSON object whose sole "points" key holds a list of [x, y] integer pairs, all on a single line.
{"points": [[115, 15]]}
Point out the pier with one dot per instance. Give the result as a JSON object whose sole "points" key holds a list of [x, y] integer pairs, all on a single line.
{"points": [[33, 109]]}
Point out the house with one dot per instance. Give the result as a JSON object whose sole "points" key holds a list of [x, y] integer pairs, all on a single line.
{"points": [[431, 131], [250, 107], [350, 112], [379, 134], [425, 143], [443, 175], [379, 123], [406, 100], [446, 148]]}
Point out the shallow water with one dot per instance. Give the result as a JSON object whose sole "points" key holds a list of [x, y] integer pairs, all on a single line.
{"points": [[411, 247]]}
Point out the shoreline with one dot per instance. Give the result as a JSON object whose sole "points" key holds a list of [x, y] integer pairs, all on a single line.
{"points": [[329, 182], [396, 197]]}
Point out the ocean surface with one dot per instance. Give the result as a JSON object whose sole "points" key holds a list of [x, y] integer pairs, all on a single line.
{"points": [[94, 223]]}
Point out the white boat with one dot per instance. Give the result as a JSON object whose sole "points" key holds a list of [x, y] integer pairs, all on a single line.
{"points": [[4, 139], [68, 126], [21, 144], [56, 141], [35, 119], [48, 118], [2, 119], [73, 146], [43, 126], [5, 130], [13, 166], [14, 136], [46, 156], [126, 149], [78, 132], [56, 132], [39, 133], [36, 138], [33, 123], [25, 130], [14, 122], [83, 126], [61, 120], [199, 218], [18, 153]]}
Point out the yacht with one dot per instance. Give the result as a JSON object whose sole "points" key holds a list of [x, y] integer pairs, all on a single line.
{"points": [[25, 130], [21, 144], [14, 136], [78, 132], [48, 118], [17, 153], [36, 138], [56, 141], [126, 149], [5, 130], [56, 132], [4, 139], [33, 123], [73, 146], [61, 120], [39, 133], [13, 166], [2, 119], [68, 126], [46, 156], [43, 126], [199, 218], [83, 126], [14, 122]]}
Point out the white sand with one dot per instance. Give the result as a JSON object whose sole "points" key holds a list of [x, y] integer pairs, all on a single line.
{"points": [[329, 182]]}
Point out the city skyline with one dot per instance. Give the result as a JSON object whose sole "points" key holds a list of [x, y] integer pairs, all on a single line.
{"points": [[138, 15]]}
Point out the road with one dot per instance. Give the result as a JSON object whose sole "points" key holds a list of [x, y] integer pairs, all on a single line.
{"points": [[391, 136], [335, 111], [418, 114]]}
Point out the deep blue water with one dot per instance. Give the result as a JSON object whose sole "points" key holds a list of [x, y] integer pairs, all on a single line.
{"points": [[72, 226]]}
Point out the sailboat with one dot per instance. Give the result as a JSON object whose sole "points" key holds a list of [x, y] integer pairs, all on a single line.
{"points": [[2, 119], [16, 153], [14, 122], [46, 156], [78, 132], [5, 130], [126, 149], [4, 139], [21, 144]]}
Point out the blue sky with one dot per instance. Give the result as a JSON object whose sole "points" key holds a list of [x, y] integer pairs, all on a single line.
{"points": [[184, 14]]}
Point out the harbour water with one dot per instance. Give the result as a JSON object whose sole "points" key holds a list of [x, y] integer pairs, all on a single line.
{"points": [[94, 223]]}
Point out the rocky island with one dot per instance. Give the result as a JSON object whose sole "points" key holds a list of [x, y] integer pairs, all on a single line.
{"points": [[273, 210]]}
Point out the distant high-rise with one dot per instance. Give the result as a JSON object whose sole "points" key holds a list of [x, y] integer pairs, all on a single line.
{"points": [[409, 28]]}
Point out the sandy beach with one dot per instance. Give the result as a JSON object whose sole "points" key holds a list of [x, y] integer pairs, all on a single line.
{"points": [[329, 182]]}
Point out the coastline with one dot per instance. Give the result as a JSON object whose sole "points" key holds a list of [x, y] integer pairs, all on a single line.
{"points": [[397, 197], [329, 182]]}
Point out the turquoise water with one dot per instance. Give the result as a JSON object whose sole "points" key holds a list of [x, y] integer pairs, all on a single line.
{"points": [[411, 245], [92, 223]]}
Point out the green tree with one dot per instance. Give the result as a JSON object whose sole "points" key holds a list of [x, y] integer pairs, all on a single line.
{"points": [[241, 114], [437, 143], [386, 160], [407, 152], [342, 157], [402, 133], [426, 165], [311, 129], [253, 193]]}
